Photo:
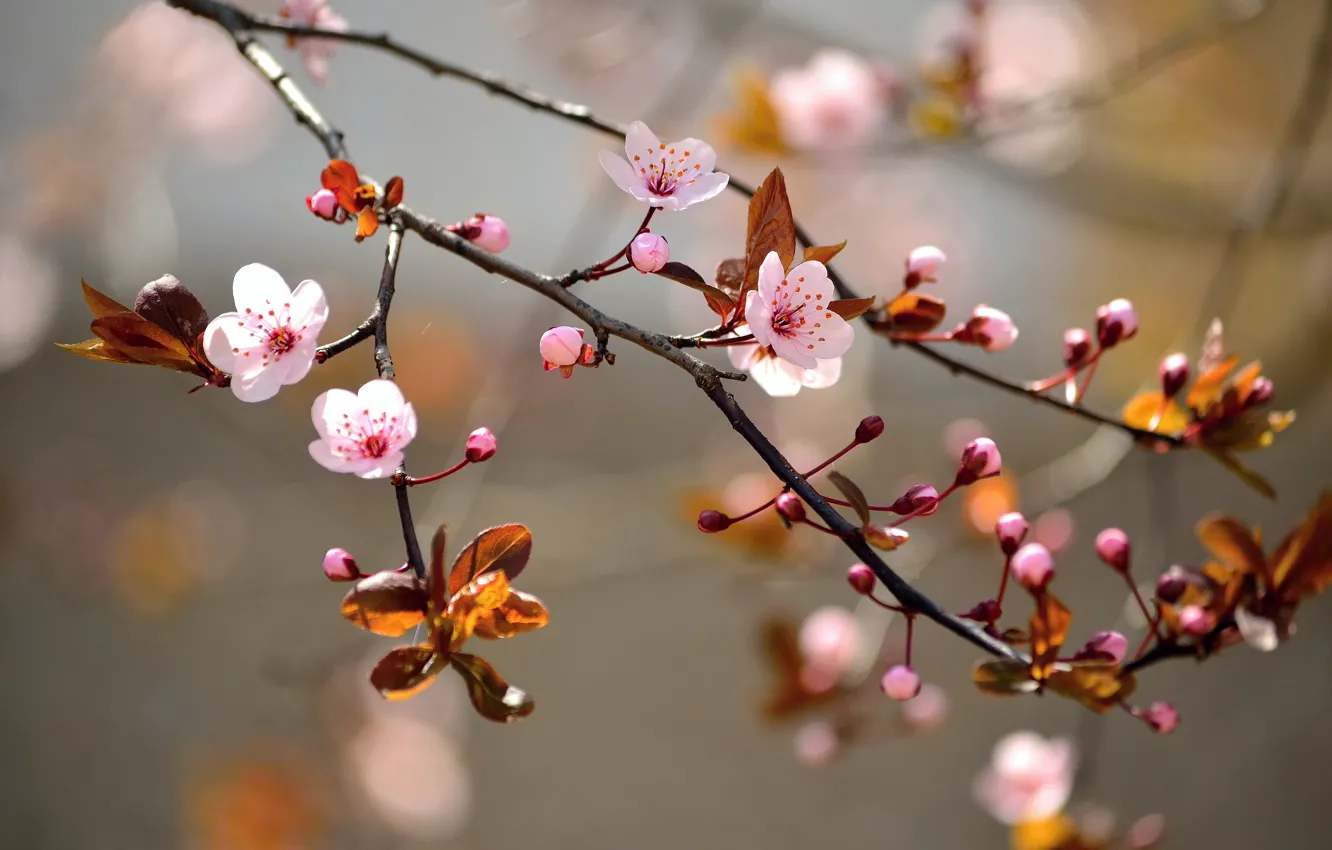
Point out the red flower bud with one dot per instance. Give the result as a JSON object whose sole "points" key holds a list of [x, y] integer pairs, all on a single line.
{"points": [[1260, 392], [790, 507], [1112, 546], [921, 497], [1077, 348], [339, 565], [1196, 620], [1161, 716], [869, 429], [481, 445], [711, 522], [980, 459], [1172, 583], [1174, 374], [1116, 322], [861, 578], [1107, 646]]}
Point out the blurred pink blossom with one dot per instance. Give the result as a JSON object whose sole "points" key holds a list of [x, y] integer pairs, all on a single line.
{"points": [[830, 641], [833, 103], [928, 710], [780, 378], [315, 52], [1029, 778]]}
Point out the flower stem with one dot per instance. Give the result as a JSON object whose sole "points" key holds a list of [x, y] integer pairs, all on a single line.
{"points": [[601, 266], [1087, 379], [412, 482]]}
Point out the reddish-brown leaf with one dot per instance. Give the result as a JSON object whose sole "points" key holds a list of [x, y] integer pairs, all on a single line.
{"points": [[492, 697], [1151, 411], [1098, 685], [851, 308], [167, 303], [387, 603], [1049, 628], [720, 303], [504, 547], [367, 222], [915, 313], [730, 277], [771, 228], [392, 193], [476, 600], [1208, 386], [437, 583], [517, 614], [1302, 564], [100, 303], [98, 349], [405, 671], [1230, 540], [853, 494], [824, 253], [1003, 678], [341, 178], [140, 339], [681, 273], [788, 694]]}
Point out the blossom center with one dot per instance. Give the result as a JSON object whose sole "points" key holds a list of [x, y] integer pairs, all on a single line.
{"points": [[282, 339], [786, 318], [375, 445], [661, 181]]}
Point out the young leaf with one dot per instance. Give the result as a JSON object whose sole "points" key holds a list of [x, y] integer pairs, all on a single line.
{"points": [[100, 303], [824, 253], [387, 603], [504, 547], [437, 584], [405, 671], [392, 193], [492, 697], [681, 273], [518, 613], [1049, 627], [1248, 476], [340, 177], [367, 222], [1231, 541], [168, 304], [853, 495], [851, 308], [1151, 412], [1302, 564], [788, 694], [99, 349], [771, 228], [915, 313], [1004, 678], [1098, 685], [719, 303], [140, 339], [730, 277], [476, 599]]}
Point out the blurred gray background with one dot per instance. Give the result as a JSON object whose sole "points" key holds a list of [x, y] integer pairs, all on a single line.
{"points": [[177, 672]]}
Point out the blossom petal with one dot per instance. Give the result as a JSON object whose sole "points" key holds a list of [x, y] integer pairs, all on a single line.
{"points": [[795, 351], [640, 141], [701, 189], [745, 357], [824, 375], [776, 377], [815, 281], [771, 275], [700, 154], [331, 409], [324, 455], [1258, 632], [381, 396], [759, 316], [296, 364], [258, 384], [623, 174], [309, 309], [219, 342], [256, 285], [381, 467]]}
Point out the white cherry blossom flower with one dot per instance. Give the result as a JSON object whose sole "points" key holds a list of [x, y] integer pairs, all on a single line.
{"points": [[363, 433], [671, 176], [269, 341], [789, 312], [1029, 778], [781, 378]]}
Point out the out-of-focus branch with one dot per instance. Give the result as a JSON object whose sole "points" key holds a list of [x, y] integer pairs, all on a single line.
{"points": [[240, 24]]}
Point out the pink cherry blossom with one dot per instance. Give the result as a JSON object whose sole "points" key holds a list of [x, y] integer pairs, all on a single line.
{"points": [[1033, 566], [900, 683], [481, 445], [928, 710], [322, 203], [789, 313], [830, 640], [488, 232], [1011, 529], [816, 743], [363, 433], [649, 252], [1112, 546], [980, 459], [561, 346], [922, 264], [339, 565], [991, 329], [315, 52], [782, 378], [1161, 716], [270, 341], [833, 103], [1029, 778], [671, 176]]}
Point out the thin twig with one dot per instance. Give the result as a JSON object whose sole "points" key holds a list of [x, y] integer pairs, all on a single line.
{"points": [[239, 22]]}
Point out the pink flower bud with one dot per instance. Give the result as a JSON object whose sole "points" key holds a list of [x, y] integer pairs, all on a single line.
{"points": [[1077, 348], [1161, 716], [562, 346], [649, 252], [1172, 584], [1146, 832], [1011, 529], [322, 203], [1033, 566], [1196, 620], [1115, 322], [830, 639], [1112, 546], [790, 507], [991, 329], [869, 429], [1260, 392], [928, 710], [711, 522], [816, 743], [980, 459], [1106, 646], [921, 497], [339, 565], [487, 232], [900, 683], [481, 445], [921, 265], [1174, 374], [861, 578]]}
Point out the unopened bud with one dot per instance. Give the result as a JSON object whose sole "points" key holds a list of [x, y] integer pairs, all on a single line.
{"points": [[980, 459], [1104, 646], [323, 204], [481, 445], [885, 537], [869, 429], [1033, 566], [1196, 620], [790, 507], [921, 265], [1011, 529], [487, 232], [1172, 583], [339, 565], [1116, 322], [861, 578], [1161, 716], [1260, 392], [649, 252], [985, 612], [900, 683], [711, 522], [991, 329], [920, 500], [1077, 348], [562, 346], [1112, 546], [1174, 374]]}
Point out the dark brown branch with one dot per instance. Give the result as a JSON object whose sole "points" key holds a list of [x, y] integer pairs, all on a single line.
{"points": [[579, 114], [384, 299]]}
